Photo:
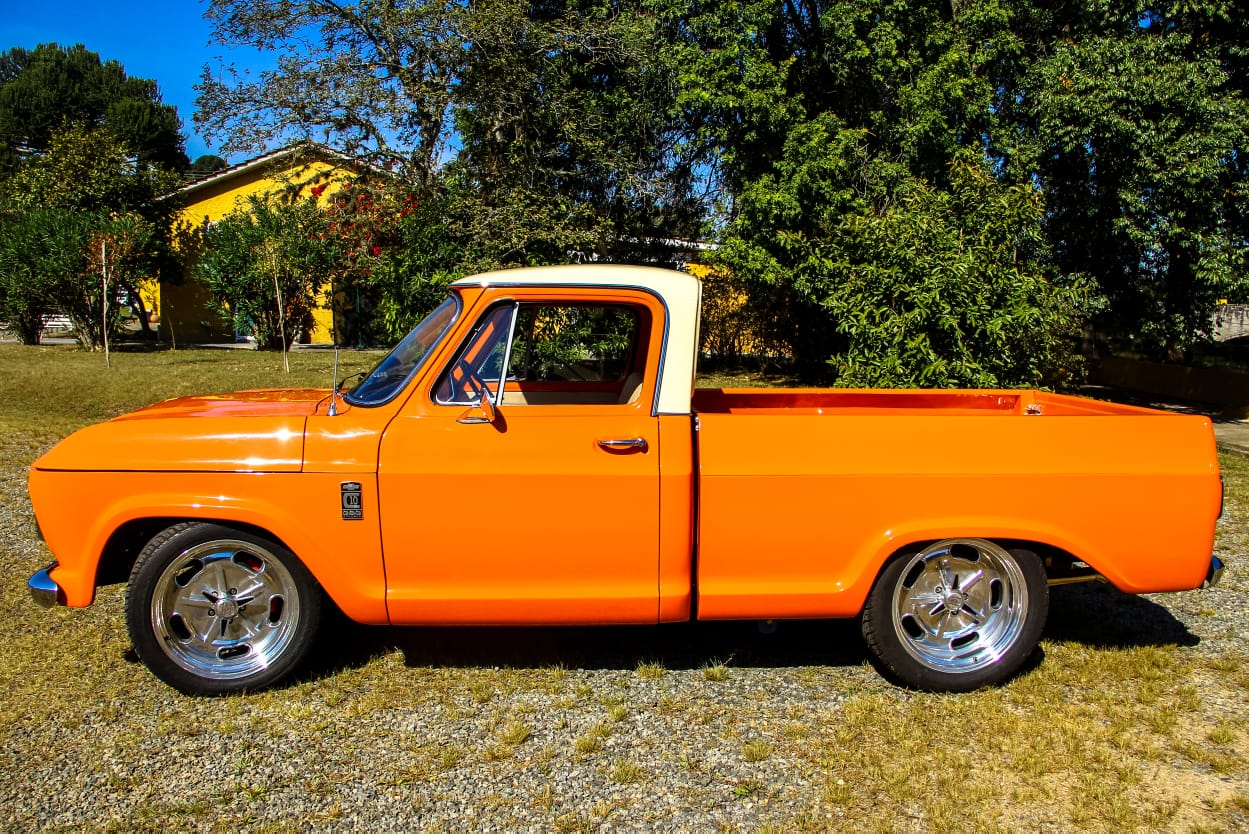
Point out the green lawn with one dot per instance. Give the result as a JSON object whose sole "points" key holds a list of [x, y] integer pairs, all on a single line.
{"points": [[1137, 718]]}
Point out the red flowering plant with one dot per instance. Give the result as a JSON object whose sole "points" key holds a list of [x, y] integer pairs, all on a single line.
{"points": [[367, 227]]}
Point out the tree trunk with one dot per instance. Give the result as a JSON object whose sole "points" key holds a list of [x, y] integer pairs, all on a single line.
{"points": [[29, 327]]}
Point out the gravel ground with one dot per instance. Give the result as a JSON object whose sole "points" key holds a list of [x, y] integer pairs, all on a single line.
{"points": [[675, 728]]}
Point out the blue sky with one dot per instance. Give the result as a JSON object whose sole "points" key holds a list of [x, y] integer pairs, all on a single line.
{"points": [[164, 41]]}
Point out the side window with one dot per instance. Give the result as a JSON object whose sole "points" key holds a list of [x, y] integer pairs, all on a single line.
{"points": [[573, 344], [475, 371], [559, 355]]}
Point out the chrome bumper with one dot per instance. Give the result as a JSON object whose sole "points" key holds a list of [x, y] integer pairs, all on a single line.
{"points": [[43, 589], [1215, 574]]}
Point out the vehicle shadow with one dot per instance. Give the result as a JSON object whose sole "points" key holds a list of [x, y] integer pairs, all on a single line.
{"points": [[675, 646], [1102, 616], [1094, 614]]}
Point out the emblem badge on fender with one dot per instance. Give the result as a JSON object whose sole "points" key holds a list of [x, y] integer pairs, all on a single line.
{"points": [[353, 505]]}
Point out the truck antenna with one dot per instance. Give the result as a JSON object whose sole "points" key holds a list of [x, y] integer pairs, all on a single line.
{"points": [[333, 410]]}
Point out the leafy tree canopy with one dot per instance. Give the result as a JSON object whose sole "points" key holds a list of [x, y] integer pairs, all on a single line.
{"points": [[1060, 163], [44, 89], [84, 190], [207, 164], [89, 170], [556, 115], [42, 251], [1128, 120]]}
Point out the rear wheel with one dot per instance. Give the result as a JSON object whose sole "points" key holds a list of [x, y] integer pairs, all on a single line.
{"points": [[957, 615], [214, 610]]}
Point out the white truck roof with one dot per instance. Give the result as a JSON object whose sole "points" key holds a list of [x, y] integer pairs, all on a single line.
{"points": [[680, 293]]}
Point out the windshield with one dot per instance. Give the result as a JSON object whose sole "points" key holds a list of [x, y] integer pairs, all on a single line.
{"points": [[393, 372]]}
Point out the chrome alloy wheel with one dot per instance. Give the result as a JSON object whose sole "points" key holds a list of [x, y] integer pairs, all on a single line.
{"points": [[225, 609], [960, 605]]}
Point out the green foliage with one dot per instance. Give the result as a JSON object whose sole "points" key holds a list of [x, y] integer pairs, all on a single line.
{"points": [[914, 192], [83, 192], [412, 276], [1138, 144], [90, 170], [59, 260], [43, 251], [572, 343], [119, 254], [827, 122], [207, 164], [267, 265], [378, 83], [44, 89], [561, 112], [568, 129], [86, 153], [927, 288], [391, 255]]}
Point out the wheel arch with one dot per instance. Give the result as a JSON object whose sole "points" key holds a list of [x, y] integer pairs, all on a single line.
{"points": [[1053, 557], [1057, 549], [127, 541], [128, 529]]}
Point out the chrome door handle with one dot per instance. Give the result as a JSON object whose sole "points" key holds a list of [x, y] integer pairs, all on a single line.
{"points": [[625, 444]]}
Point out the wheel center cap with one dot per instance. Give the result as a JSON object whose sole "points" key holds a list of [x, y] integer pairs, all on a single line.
{"points": [[955, 602], [227, 608]]}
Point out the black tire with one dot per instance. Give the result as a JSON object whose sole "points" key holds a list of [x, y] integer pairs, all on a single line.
{"points": [[215, 610], [957, 615]]}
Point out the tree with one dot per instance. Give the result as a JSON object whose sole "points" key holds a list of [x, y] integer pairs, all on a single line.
{"points": [[569, 134], [85, 186], [118, 257], [1136, 127], [393, 255], [90, 170], [267, 264], [44, 89], [378, 85], [42, 254], [206, 165], [929, 288], [561, 110], [1101, 146], [1129, 120], [874, 238]]}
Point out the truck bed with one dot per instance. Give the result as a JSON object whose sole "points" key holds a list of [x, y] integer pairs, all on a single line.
{"points": [[887, 403], [804, 494]]}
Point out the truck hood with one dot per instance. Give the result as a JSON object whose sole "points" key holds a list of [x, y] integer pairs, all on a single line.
{"points": [[249, 431]]}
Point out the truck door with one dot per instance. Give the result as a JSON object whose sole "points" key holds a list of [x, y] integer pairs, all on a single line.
{"points": [[531, 495]]}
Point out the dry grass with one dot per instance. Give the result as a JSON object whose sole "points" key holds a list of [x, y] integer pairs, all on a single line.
{"points": [[1124, 735]]}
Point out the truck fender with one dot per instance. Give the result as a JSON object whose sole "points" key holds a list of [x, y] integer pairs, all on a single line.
{"points": [[876, 553], [357, 586]]}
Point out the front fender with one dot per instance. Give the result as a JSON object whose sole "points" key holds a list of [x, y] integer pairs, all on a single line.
{"points": [[78, 512]]}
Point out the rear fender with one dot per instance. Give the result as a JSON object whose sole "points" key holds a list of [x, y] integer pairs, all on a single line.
{"points": [[876, 553]]}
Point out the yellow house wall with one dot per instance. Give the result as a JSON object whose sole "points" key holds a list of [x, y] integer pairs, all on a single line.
{"points": [[186, 311], [727, 327]]}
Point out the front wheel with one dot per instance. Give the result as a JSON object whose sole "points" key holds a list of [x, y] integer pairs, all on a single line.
{"points": [[214, 610], [957, 615]]}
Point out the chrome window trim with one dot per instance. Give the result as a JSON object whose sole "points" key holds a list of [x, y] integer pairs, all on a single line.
{"points": [[663, 348], [420, 363], [433, 393]]}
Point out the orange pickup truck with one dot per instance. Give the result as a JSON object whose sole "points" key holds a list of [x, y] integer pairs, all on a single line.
{"points": [[535, 452]]}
